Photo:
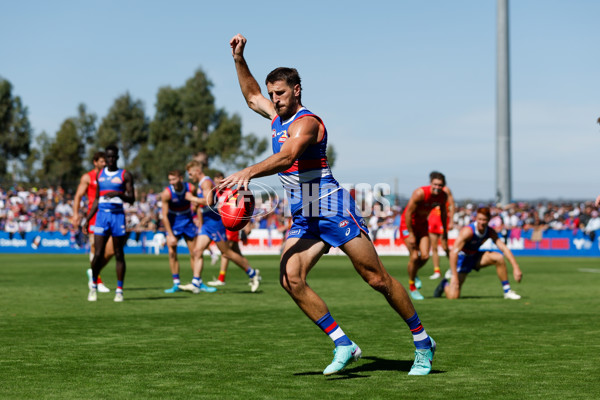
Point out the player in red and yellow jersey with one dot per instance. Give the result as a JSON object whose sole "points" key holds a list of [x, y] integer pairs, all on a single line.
{"points": [[436, 230], [88, 184], [414, 226]]}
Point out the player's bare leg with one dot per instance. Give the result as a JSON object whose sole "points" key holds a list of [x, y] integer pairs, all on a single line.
{"points": [[242, 262], [497, 259], [121, 266], [201, 243], [418, 257], [108, 254], [435, 257], [368, 264]]}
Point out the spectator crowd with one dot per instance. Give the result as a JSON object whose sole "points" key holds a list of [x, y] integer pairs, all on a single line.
{"points": [[51, 209]]}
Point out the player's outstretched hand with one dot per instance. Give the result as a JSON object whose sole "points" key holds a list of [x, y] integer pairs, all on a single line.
{"points": [[597, 201], [241, 179]]}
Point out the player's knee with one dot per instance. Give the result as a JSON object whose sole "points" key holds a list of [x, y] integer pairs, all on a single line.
{"points": [[379, 283], [424, 258], [292, 284]]}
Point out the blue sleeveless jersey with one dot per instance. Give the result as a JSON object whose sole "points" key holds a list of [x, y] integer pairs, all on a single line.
{"points": [[208, 213], [476, 241], [111, 181], [309, 180], [178, 205]]}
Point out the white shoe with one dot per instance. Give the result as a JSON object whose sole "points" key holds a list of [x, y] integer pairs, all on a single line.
{"points": [[214, 258], [92, 296], [186, 288], [255, 281], [448, 274], [119, 297], [436, 275], [511, 295], [216, 282], [102, 288]]}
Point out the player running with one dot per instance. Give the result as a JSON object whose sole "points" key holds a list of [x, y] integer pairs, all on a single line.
{"points": [[88, 183], [324, 214], [414, 227], [466, 256], [178, 222], [115, 187]]}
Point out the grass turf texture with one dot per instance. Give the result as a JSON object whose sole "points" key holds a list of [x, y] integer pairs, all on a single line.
{"points": [[238, 345]]}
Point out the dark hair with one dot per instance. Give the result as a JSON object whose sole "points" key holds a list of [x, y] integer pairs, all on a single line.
{"points": [[98, 155], [437, 175], [289, 75], [112, 147], [485, 211], [176, 173], [219, 174]]}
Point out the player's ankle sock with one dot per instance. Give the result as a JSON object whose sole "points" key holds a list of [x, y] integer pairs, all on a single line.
{"points": [[436, 270], [506, 286], [99, 280], [251, 272], [176, 280], [411, 285], [197, 281], [420, 337], [222, 276], [120, 286], [331, 328]]}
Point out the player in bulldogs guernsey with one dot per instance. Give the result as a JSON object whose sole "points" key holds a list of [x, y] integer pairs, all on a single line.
{"points": [[115, 187], [88, 184], [467, 256], [323, 214], [178, 221]]}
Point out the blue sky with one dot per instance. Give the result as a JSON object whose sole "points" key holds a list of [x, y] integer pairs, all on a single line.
{"points": [[404, 87]]}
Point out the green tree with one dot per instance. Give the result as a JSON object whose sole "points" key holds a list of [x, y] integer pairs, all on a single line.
{"points": [[86, 129], [126, 126], [331, 155], [15, 130], [188, 125], [62, 157]]}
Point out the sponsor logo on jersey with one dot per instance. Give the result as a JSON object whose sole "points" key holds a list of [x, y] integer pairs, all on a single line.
{"points": [[343, 223], [283, 137], [294, 232], [347, 231], [116, 179]]}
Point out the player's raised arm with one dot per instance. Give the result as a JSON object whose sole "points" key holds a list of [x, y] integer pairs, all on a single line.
{"points": [[250, 88]]}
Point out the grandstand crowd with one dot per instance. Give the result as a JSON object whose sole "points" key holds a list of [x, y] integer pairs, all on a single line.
{"points": [[50, 209]]}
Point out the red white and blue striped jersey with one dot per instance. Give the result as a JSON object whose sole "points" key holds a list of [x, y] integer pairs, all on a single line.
{"points": [[310, 171], [111, 181], [178, 205], [473, 245]]}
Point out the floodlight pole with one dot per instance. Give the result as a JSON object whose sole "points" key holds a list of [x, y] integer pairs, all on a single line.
{"points": [[503, 170]]}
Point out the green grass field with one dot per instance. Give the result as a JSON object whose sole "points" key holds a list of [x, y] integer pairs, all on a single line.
{"points": [[240, 345]]}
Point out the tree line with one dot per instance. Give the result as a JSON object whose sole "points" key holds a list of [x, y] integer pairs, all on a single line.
{"points": [[186, 125]]}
